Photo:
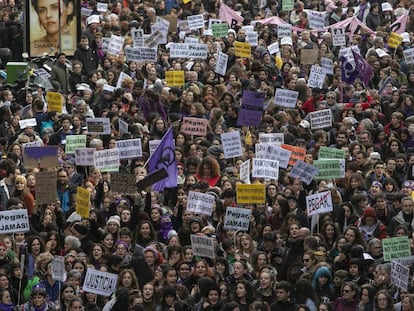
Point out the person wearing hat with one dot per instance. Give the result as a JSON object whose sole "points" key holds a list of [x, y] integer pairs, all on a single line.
{"points": [[81, 232], [370, 226], [38, 300]]}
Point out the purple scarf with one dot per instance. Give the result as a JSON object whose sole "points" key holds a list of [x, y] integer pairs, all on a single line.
{"points": [[165, 226]]}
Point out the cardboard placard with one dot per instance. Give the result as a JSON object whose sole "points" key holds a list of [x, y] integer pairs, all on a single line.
{"points": [[14, 221], [123, 183], [46, 191], [251, 194]]}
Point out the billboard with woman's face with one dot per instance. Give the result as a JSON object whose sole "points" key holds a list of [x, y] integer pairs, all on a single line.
{"points": [[52, 27]]}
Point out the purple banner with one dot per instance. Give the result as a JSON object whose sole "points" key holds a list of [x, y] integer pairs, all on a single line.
{"points": [[251, 109]]}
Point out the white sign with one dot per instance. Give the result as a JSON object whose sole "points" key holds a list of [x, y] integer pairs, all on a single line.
{"points": [[123, 126], [273, 48], [304, 171], [316, 77], [320, 119], [102, 7], [36, 143], [184, 50], [338, 36], [27, 123], [14, 221], [232, 146], [221, 64], [319, 203], [84, 156], [409, 56], [129, 149], [267, 169], [122, 77], [202, 246], [100, 283], [191, 40], [115, 45], [237, 218], [98, 126], [316, 19], [275, 153], [399, 275], [284, 30], [286, 98], [104, 159], [153, 39], [200, 203], [245, 172], [195, 22], [328, 65], [252, 38], [58, 268], [137, 37], [153, 144], [105, 43], [141, 54], [272, 138]]}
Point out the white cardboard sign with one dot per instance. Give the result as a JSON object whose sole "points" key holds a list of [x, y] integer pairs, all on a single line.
{"points": [[320, 119], [202, 246], [14, 221], [286, 98], [232, 146], [319, 203], [100, 283], [200, 203], [267, 169], [129, 149], [104, 159], [237, 218]]}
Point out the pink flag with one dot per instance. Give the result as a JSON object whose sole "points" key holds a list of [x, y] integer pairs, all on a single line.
{"points": [[227, 15], [399, 25]]}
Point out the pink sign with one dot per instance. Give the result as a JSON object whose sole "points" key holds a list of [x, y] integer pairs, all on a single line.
{"points": [[194, 126]]}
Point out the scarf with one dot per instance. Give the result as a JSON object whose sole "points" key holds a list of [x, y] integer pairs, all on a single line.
{"points": [[42, 308], [6, 307], [361, 12], [165, 226]]}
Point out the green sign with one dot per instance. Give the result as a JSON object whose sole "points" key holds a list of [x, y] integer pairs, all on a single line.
{"points": [[396, 248], [287, 5], [331, 153], [73, 142], [330, 168], [220, 30]]}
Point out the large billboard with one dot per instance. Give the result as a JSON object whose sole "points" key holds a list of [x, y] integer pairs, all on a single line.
{"points": [[52, 26]]}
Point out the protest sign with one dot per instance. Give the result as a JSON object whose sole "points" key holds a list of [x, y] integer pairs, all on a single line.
{"points": [[84, 156], [202, 246], [153, 39], [328, 65], [396, 248], [185, 50], [191, 40], [137, 37], [58, 268], [195, 22], [105, 44], [409, 56], [232, 147], [27, 123], [273, 48], [331, 153], [320, 119], [237, 218], [129, 148], [123, 183], [400, 275], [242, 49], [287, 5], [267, 169], [271, 138], [152, 178], [100, 283], [141, 54], [274, 153], [245, 172], [221, 64], [101, 7], [214, 21], [194, 126], [83, 200], [115, 45], [394, 40], [220, 29], [252, 38], [73, 142], [123, 127], [97, 126], [54, 101], [286, 98], [309, 57], [319, 203], [175, 78], [330, 168], [316, 77], [200, 203], [14, 221], [298, 153], [45, 187], [122, 77], [338, 36], [107, 160], [251, 194], [36, 143], [316, 19], [153, 144], [304, 171], [251, 109], [284, 30], [40, 157]]}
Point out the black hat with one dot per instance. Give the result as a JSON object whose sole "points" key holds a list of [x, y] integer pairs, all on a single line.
{"points": [[81, 229]]}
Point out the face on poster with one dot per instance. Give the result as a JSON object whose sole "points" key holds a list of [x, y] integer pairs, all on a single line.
{"points": [[47, 19]]}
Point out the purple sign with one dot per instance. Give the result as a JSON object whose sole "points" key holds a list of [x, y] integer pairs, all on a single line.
{"points": [[40, 157], [251, 109]]}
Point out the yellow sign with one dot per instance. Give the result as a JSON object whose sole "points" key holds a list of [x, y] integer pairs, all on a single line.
{"points": [[186, 1], [175, 78], [83, 197], [242, 49], [251, 194], [54, 101], [394, 40]]}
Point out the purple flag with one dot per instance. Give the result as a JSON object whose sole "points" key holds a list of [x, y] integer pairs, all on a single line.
{"points": [[349, 71], [251, 109], [364, 69], [164, 157]]}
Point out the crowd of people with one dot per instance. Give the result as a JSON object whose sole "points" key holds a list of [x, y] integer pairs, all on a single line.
{"points": [[285, 261]]}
